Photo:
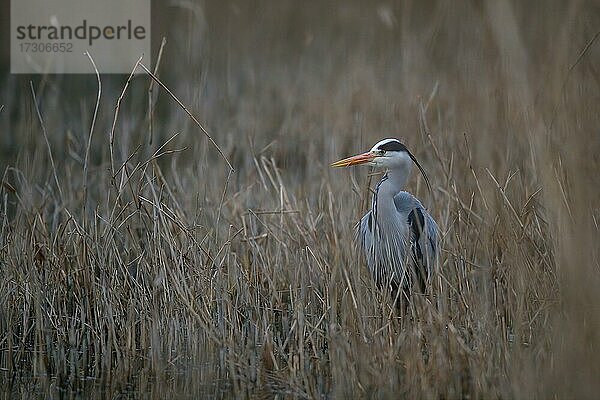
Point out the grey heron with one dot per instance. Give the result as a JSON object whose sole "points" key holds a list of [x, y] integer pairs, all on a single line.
{"points": [[398, 236]]}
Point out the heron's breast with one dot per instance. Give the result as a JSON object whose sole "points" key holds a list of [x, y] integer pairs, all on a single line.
{"points": [[392, 233]]}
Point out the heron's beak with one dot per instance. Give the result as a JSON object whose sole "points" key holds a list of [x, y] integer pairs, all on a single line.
{"points": [[355, 160]]}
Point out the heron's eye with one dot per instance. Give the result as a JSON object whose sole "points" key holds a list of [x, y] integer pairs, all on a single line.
{"points": [[380, 152]]}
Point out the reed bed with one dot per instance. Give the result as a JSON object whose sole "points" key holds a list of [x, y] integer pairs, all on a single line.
{"points": [[138, 261]]}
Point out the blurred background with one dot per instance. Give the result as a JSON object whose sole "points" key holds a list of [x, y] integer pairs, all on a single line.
{"points": [[499, 100], [352, 67]]}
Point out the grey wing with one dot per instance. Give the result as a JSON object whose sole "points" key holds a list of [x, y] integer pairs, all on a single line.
{"points": [[423, 235]]}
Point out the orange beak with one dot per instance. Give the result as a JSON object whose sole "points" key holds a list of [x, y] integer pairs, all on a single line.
{"points": [[355, 160]]}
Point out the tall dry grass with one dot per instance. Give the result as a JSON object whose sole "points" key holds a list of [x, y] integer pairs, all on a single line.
{"points": [[148, 269]]}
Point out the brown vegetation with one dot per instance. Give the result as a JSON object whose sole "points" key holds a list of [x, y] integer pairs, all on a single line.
{"points": [[149, 268]]}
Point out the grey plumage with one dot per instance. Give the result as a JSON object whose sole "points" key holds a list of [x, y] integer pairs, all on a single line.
{"points": [[398, 236], [400, 245]]}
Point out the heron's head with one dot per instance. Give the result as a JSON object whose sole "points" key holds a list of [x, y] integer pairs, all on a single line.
{"points": [[389, 154]]}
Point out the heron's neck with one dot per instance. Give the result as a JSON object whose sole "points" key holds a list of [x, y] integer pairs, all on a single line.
{"points": [[383, 200], [392, 182]]}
